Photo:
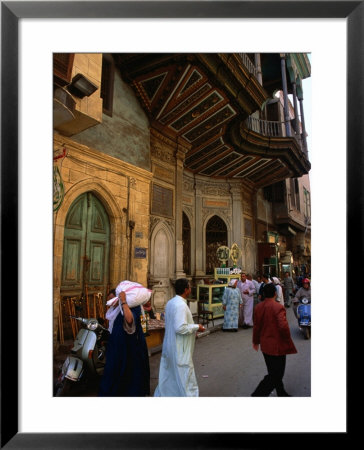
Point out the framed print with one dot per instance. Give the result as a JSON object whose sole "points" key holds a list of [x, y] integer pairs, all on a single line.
{"points": [[30, 33]]}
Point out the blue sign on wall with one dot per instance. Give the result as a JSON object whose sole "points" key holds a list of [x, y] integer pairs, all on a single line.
{"points": [[140, 252]]}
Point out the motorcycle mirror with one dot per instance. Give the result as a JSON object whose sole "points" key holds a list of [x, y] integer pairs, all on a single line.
{"points": [[80, 319]]}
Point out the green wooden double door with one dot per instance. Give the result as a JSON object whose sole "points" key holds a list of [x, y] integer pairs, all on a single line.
{"points": [[86, 247]]}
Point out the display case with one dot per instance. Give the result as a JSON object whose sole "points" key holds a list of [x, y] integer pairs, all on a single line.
{"points": [[223, 274], [211, 296]]}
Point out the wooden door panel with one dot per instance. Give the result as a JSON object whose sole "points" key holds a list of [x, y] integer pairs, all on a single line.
{"points": [[97, 242], [77, 214], [97, 267], [72, 263], [99, 222], [74, 245]]}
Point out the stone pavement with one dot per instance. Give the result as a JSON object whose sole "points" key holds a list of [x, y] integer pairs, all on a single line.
{"points": [[227, 366]]}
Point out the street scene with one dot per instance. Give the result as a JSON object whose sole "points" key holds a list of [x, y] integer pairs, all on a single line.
{"points": [[227, 366]]}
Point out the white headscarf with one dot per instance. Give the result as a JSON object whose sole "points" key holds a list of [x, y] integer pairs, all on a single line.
{"points": [[275, 280], [232, 282], [113, 312]]}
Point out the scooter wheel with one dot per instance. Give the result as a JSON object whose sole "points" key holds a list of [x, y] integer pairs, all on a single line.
{"points": [[307, 332], [63, 389]]}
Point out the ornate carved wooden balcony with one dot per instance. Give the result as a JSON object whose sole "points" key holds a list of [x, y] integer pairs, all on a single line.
{"points": [[201, 101], [248, 64], [271, 128]]}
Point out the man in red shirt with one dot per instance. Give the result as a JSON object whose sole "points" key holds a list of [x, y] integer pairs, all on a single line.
{"points": [[271, 332]]}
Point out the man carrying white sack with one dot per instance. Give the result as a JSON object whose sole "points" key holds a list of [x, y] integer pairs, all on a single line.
{"points": [[176, 371], [126, 372]]}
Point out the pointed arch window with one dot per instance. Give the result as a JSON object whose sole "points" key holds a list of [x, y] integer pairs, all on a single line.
{"points": [[186, 237], [216, 235]]}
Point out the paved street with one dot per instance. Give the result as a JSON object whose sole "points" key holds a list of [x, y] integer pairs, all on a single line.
{"points": [[227, 366]]}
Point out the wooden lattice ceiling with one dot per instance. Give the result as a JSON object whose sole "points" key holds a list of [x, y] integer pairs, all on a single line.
{"points": [[197, 98]]}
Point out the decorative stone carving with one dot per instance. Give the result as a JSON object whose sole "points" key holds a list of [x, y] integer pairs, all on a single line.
{"points": [[154, 221], [133, 183], [187, 200], [215, 189], [223, 213], [166, 174], [161, 148], [162, 155], [188, 184], [188, 210], [216, 203]]}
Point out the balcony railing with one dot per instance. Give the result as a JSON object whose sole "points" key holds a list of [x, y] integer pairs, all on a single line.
{"points": [[248, 64], [265, 127], [273, 128]]}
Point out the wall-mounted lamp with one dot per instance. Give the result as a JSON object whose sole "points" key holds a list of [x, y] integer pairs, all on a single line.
{"points": [[81, 86]]}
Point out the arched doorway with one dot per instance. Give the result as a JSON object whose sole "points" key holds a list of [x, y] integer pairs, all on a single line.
{"points": [[186, 237], [216, 235], [162, 265], [85, 262]]}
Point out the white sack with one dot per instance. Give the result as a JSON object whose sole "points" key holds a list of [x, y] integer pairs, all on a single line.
{"points": [[136, 294]]}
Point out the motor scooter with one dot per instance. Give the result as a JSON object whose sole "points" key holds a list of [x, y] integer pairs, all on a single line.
{"points": [[87, 357], [304, 317]]}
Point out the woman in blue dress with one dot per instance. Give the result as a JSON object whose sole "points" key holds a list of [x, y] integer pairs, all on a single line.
{"points": [[231, 301], [126, 372]]}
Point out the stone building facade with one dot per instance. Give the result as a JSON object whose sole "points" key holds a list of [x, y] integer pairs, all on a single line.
{"points": [[155, 166]]}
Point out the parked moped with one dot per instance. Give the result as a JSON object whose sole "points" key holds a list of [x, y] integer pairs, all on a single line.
{"points": [[304, 317], [87, 356]]}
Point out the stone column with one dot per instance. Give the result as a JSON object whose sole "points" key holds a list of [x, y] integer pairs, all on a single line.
{"points": [[199, 271], [237, 213], [180, 156], [285, 95]]}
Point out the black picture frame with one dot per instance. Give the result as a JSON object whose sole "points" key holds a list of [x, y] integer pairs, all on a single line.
{"points": [[11, 12]]}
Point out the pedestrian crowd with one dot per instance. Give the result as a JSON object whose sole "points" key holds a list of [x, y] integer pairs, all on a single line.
{"points": [[259, 303]]}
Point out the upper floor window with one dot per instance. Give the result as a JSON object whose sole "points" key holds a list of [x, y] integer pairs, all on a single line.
{"points": [[62, 68], [275, 192], [295, 194], [107, 83], [307, 200]]}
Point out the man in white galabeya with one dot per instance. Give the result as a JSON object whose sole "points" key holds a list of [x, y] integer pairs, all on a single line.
{"points": [[176, 371]]}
